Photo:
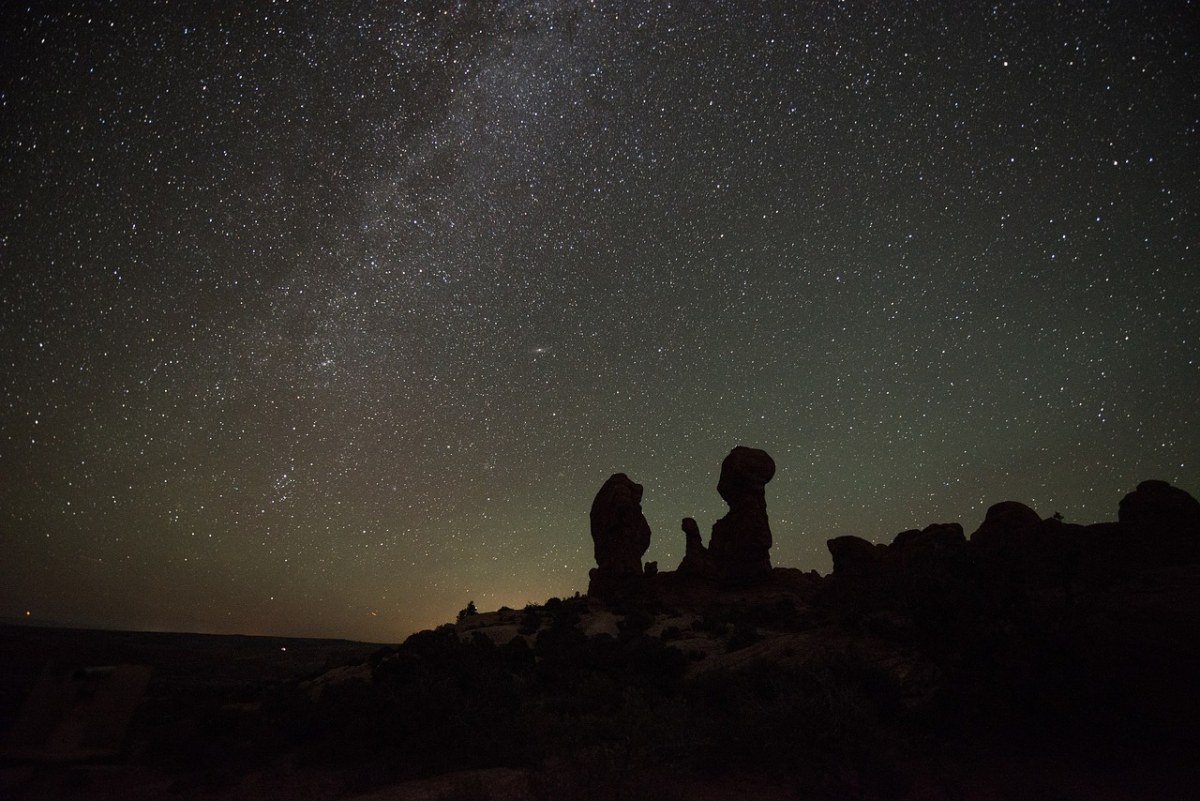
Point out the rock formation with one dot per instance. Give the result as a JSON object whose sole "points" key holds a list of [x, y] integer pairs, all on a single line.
{"points": [[935, 537], [741, 540], [854, 555], [1163, 518], [1162, 522], [1007, 526], [697, 561], [920, 572], [620, 533], [1158, 504], [1015, 561]]}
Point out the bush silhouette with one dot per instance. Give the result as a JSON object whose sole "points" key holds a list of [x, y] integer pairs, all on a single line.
{"points": [[467, 612]]}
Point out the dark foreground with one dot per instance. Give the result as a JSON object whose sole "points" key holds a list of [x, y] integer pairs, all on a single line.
{"points": [[193, 679], [1035, 659]]}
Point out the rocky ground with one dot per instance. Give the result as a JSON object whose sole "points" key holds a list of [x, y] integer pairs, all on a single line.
{"points": [[1033, 659]]}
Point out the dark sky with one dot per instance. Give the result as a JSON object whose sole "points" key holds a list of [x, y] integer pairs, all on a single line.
{"points": [[326, 318]]}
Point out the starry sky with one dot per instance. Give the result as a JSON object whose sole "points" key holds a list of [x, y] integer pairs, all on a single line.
{"points": [[323, 319]]}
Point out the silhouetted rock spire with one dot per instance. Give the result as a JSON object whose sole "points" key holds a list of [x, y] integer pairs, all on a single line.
{"points": [[620, 533], [741, 540]]}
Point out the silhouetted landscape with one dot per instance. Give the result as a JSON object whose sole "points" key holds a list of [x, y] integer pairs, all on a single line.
{"points": [[1036, 658]]}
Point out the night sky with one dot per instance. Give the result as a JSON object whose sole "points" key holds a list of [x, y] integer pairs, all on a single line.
{"points": [[326, 318]]}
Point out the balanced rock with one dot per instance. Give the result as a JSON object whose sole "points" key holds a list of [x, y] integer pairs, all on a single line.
{"points": [[620, 533], [741, 540]]}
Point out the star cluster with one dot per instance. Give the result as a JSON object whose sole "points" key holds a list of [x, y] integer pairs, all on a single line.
{"points": [[324, 318]]}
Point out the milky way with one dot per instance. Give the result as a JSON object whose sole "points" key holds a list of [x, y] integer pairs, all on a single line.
{"points": [[327, 318]]}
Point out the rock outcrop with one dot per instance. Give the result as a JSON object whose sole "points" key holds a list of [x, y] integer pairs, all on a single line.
{"points": [[854, 555], [1164, 520], [1007, 526], [1159, 526], [697, 561], [741, 540], [1016, 564], [920, 573], [620, 533], [1156, 504]]}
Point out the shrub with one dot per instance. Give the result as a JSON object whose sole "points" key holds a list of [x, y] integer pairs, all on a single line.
{"points": [[470, 610]]}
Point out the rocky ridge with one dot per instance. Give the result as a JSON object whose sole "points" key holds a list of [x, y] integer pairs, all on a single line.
{"points": [[925, 666]]}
